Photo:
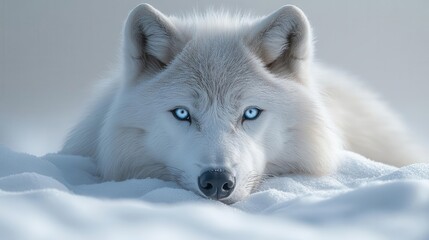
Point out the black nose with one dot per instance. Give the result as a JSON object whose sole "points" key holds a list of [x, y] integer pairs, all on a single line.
{"points": [[216, 183]]}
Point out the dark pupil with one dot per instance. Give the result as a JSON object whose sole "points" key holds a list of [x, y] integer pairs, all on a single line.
{"points": [[181, 111]]}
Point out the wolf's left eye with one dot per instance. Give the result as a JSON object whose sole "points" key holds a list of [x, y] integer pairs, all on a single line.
{"points": [[251, 113], [181, 114]]}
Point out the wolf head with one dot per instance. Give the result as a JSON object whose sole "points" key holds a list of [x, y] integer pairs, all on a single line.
{"points": [[216, 103]]}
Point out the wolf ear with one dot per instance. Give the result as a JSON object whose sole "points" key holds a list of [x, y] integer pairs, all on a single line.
{"points": [[283, 40], [150, 41]]}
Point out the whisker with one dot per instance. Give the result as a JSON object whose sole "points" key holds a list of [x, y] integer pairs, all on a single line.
{"points": [[254, 180], [159, 171]]}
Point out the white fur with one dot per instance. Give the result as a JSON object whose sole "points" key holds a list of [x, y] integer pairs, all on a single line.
{"points": [[216, 65]]}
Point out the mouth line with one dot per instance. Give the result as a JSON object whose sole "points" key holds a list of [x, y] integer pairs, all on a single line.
{"points": [[226, 201]]}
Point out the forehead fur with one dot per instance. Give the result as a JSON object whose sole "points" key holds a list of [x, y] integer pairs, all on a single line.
{"points": [[215, 63], [219, 67]]}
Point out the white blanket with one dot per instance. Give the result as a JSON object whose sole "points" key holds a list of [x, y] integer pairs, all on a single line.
{"points": [[60, 197]]}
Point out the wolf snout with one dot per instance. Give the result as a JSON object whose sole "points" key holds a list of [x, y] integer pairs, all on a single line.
{"points": [[216, 183]]}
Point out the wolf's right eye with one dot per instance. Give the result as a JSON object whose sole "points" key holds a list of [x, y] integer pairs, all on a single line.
{"points": [[181, 114]]}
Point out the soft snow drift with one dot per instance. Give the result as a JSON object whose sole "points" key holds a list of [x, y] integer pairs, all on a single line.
{"points": [[61, 197]]}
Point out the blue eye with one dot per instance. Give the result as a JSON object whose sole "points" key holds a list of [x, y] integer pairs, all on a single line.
{"points": [[251, 113], [181, 114]]}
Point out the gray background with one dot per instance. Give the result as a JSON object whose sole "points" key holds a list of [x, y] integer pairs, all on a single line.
{"points": [[53, 52]]}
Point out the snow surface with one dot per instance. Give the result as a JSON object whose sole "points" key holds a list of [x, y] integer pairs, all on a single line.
{"points": [[61, 197]]}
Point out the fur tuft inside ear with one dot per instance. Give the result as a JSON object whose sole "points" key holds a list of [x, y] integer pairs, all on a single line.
{"points": [[150, 40], [283, 40]]}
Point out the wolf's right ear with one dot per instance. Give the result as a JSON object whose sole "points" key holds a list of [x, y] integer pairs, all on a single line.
{"points": [[150, 41], [283, 41]]}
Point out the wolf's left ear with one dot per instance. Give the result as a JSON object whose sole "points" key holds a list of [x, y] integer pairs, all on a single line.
{"points": [[150, 41], [283, 40]]}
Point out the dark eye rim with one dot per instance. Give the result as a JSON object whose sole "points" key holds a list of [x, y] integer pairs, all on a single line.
{"points": [[244, 118], [173, 112]]}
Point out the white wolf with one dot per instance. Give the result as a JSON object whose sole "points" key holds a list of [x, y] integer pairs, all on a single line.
{"points": [[217, 102]]}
